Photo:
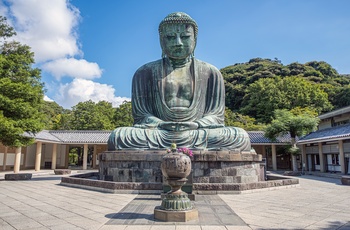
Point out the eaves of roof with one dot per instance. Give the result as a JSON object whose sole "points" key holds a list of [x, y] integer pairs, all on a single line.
{"points": [[258, 137], [101, 137], [330, 134]]}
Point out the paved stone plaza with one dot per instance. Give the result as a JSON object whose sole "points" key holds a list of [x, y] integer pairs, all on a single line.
{"points": [[41, 203]]}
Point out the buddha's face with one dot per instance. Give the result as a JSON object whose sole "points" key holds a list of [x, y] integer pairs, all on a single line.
{"points": [[178, 41]]}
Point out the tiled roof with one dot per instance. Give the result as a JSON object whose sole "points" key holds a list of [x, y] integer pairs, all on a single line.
{"points": [[336, 132], [44, 135], [257, 137], [72, 136], [97, 136], [81, 136]]}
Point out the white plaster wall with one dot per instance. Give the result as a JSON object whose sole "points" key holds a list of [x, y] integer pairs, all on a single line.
{"points": [[10, 159], [324, 125]]}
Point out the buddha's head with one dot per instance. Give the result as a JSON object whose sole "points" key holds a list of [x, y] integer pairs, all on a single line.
{"points": [[178, 35]]}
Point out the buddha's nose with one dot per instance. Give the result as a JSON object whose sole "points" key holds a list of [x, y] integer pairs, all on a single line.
{"points": [[178, 41]]}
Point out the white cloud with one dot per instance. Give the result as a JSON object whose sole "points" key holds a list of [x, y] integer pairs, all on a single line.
{"points": [[48, 27], [80, 90], [46, 98], [73, 68]]}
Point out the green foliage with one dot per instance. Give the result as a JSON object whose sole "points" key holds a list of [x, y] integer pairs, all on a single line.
{"points": [[297, 122], [6, 31], [53, 115], [89, 115], [342, 97], [242, 121], [21, 94], [243, 98], [123, 115], [239, 76], [264, 96], [73, 156]]}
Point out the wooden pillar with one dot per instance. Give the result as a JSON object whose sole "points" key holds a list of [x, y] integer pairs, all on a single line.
{"points": [[85, 156], [320, 154], [274, 157], [54, 156], [4, 159], [341, 156], [303, 157], [18, 153], [39, 145], [66, 162], [94, 157]]}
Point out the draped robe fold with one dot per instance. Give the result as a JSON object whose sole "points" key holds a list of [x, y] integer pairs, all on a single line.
{"points": [[150, 109]]}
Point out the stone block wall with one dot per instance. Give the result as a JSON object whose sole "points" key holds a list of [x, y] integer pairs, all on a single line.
{"points": [[207, 167]]}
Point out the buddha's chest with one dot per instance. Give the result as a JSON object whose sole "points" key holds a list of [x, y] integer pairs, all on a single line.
{"points": [[178, 88]]}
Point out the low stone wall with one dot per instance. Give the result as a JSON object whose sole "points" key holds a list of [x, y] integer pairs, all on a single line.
{"points": [[62, 171], [345, 180], [18, 176], [207, 167], [90, 181]]}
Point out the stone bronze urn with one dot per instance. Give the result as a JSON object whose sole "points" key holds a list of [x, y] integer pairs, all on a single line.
{"points": [[176, 166], [176, 206]]}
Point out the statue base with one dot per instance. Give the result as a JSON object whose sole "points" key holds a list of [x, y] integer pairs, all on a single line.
{"points": [[175, 216], [224, 167]]}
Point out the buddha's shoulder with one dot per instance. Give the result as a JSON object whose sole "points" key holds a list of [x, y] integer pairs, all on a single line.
{"points": [[150, 66], [206, 65]]}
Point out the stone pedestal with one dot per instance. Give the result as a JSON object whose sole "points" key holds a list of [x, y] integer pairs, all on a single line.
{"points": [[211, 170], [175, 216]]}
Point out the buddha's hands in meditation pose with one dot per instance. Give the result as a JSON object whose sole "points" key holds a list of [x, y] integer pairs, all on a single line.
{"points": [[178, 126]]}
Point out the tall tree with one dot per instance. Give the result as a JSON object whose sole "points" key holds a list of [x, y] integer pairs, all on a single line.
{"points": [[268, 94], [21, 94], [242, 121], [296, 122], [89, 115], [53, 113], [123, 115]]}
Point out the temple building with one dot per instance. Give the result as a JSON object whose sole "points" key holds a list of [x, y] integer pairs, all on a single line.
{"points": [[328, 148]]}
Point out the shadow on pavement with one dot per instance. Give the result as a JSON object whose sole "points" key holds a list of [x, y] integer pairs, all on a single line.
{"points": [[129, 216], [42, 178]]}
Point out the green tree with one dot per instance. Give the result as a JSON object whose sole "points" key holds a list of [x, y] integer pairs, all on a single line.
{"points": [[21, 94], [296, 122], [53, 113], [242, 121], [266, 95], [123, 115], [89, 115], [239, 77]]}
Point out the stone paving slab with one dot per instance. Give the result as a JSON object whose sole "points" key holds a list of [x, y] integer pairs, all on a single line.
{"points": [[212, 211]]}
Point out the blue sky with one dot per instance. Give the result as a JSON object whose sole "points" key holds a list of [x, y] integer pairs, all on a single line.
{"points": [[91, 49]]}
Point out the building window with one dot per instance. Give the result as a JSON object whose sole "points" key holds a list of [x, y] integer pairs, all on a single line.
{"points": [[317, 160], [335, 159], [341, 123]]}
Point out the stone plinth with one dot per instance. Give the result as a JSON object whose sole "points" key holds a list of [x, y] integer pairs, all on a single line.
{"points": [[345, 180], [208, 167], [175, 216], [18, 176], [62, 171]]}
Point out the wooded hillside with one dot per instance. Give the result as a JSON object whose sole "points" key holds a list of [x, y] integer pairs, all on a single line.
{"points": [[260, 86]]}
